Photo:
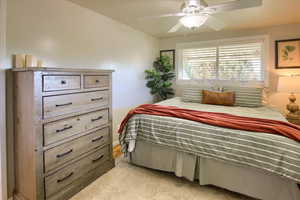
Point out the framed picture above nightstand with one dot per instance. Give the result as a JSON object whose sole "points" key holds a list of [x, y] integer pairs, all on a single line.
{"points": [[287, 54]]}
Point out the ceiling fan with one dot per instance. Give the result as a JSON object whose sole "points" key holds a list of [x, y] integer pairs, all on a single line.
{"points": [[195, 13]]}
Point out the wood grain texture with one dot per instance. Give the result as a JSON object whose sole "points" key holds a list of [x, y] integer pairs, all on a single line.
{"points": [[57, 156], [61, 82], [24, 152], [10, 132], [38, 111], [110, 119], [62, 129], [82, 182], [3, 158], [95, 81], [70, 103], [53, 140], [69, 174]]}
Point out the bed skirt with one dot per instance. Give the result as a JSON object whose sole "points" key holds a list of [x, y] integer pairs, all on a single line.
{"points": [[245, 180]]}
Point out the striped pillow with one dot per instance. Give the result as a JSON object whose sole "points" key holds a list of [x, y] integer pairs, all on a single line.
{"points": [[246, 96], [193, 93]]}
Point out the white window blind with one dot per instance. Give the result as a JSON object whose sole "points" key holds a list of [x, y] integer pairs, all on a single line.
{"points": [[200, 63], [241, 62]]}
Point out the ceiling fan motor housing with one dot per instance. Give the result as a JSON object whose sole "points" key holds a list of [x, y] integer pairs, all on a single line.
{"points": [[193, 6]]}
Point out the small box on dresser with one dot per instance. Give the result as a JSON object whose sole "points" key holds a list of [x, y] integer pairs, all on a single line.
{"points": [[63, 130]]}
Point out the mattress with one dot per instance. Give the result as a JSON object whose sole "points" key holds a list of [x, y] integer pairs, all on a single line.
{"points": [[268, 152]]}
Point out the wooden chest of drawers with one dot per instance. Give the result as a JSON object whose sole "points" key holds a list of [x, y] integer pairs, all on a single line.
{"points": [[63, 131]]}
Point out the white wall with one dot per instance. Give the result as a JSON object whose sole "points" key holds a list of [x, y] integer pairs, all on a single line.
{"points": [[64, 34], [278, 100]]}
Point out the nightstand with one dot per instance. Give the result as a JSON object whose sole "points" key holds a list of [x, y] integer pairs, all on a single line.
{"points": [[295, 119]]}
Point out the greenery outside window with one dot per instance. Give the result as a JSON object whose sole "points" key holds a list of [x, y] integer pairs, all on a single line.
{"points": [[223, 61]]}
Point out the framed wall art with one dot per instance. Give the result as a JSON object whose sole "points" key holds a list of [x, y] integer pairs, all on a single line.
{"points": [[169, 53], [287, 54]]}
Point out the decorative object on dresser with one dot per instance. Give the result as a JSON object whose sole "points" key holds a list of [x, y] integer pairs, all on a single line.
{"points": [[287, 53], [23, 60], [30, 61], [291, 84], [19, 60], [63, 130]]}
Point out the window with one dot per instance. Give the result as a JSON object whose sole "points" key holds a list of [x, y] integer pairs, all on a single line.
{"points": [[200, 63], [226, 61]]}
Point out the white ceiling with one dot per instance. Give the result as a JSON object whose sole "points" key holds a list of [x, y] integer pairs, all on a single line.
{"points": [[130, 12]]}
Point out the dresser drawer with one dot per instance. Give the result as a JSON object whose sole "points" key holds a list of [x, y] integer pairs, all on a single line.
{"points": [[67, 175], [64, 104], [96, 81], [60, 82], [62, 129], [56, 156], [78, 184]]}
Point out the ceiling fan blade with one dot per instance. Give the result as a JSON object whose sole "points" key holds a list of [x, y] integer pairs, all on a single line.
{"points": [[235, 5], [215, 23], [175, 28], [166, 15]]}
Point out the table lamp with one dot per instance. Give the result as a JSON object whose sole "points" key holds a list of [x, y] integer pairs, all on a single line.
{"points": [[290, 84]]}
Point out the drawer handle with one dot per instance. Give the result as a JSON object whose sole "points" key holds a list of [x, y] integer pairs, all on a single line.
{"points": [[63, 82], [98, 118], [97, 139], [66, 104], [64, 154], [97, 99], [64, 129], [97, 159], [97, 81], [65, 178]]}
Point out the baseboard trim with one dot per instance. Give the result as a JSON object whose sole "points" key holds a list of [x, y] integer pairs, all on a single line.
{"points": [[117, 151]]}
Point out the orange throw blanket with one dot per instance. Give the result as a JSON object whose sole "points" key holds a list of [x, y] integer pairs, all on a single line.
{"points": [[218, 119]]}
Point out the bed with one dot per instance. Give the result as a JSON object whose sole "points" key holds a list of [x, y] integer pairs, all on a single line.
{"points": [[260, 165]]}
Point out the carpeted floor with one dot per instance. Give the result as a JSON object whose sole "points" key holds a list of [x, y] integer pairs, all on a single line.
{"points": [[129, 182]]}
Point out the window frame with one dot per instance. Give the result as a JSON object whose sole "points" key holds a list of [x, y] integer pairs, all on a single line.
{"points": [[264, 39]]}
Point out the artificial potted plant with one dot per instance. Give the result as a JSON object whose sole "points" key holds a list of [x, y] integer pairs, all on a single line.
{"points": [[160, 79]]}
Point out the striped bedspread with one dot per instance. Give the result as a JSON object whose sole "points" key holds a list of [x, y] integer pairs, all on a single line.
{"points": [[271, 153]]}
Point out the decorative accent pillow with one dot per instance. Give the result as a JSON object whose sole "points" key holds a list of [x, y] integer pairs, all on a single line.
{"points": [[246, 96], [218, 98]]}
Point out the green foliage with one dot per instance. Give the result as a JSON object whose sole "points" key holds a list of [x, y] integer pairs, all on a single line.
{"points": [[160, 77], [290, 48], [286, 52]]}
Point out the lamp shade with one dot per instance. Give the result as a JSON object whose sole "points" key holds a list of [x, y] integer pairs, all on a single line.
{"points": [[289, 84]]}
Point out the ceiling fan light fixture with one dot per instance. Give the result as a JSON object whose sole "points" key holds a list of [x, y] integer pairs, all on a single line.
{"points": [[193, 21]]}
